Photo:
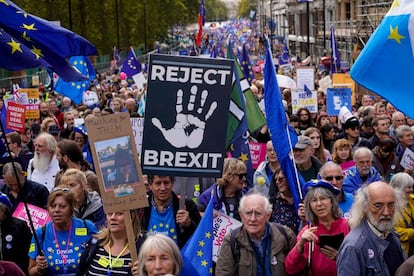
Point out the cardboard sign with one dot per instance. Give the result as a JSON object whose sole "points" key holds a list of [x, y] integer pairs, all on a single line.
{"points": [[305, 76], [257, 153], [407, 160], [39, 216], [117, 166], [304, 99], [344, 80], [15, 116], [186, 116], [337, 98], [32, 102], [137, 125], [222, 225]]}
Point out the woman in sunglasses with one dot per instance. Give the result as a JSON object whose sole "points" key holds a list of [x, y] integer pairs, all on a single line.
{"points": [[228, 189], [62, 240]]}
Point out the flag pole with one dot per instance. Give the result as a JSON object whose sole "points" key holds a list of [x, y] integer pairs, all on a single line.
{"points": [[293, 159]]}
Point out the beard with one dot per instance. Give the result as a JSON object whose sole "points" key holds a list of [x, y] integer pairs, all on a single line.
{"points": [[41, 162], [383, 226]]}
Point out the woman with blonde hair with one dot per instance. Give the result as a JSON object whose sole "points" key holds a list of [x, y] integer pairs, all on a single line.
{"points": [[319, 149], [228, 189], [159, 255], [342, 151], [108, 253]]}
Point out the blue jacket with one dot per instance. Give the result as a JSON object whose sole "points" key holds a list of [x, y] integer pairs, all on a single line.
{"points": [[362, 253], [353, 181]]}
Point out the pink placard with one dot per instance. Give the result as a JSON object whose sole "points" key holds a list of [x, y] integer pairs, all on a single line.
{"points": [[346, 165], [257, 153], [39, 216]]}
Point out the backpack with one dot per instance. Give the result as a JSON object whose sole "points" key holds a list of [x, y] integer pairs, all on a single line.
{"points": [[235, 249]]}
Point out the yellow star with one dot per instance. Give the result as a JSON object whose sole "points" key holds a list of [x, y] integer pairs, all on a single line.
{"points": [[15, 46], [4, 2], [49, 257], [172, 230], [51, 263], [167, 226], [208, 235], [204, 263], [25, 36], [161, 224], [395, 35], [395, 4], [30, 27], [201, 243], [75, 62], [63, 242], [71, 244], [154, 227], [199, 253], [174, 237], [243, 157], [38, 54]]}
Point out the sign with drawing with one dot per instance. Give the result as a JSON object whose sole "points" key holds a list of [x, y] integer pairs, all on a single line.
{"points": [[117, 165], [186, 116], [337, 98]]}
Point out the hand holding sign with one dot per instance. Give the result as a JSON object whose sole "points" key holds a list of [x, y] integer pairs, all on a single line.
{"points": [[188, 129]]}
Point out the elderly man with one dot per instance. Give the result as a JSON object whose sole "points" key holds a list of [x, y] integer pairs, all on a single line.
{"points": [[372, 247], [397, 119], [332, 173], [258, 247], [164, 215], [18, 188], [44, 165], [362, 173], [405, 137], [307, 164], [262, 177]]}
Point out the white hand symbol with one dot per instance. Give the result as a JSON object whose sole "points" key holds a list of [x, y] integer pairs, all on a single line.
{"points": [[188, 129]]}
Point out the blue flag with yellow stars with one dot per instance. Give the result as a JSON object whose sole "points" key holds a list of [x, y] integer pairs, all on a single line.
{"points": [[197, 253], [75, 89], [385, 64], [41, 38], [246, 64], [131, 65]]}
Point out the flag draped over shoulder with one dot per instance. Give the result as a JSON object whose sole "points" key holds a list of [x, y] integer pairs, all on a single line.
{"points": [[282, 134], [336, 57], [198, 251], [45, 40], [131, 65], [201, 21], [385, 64], [75, 89]]}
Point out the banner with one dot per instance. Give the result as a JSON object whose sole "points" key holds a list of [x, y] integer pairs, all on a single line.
{"points": [[337, 98], [39, 216], [305, 99], [257, 153], [15, 116], [186, 116], [222, 225]]}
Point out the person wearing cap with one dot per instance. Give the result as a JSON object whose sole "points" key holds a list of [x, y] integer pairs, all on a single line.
{"points": [[372, 246], [80, 136], [384, 158], [331, 172], [381, 127], [15, 236], [325, 218], [352, 134], [44, 165], [362, 173], [307, 164]]}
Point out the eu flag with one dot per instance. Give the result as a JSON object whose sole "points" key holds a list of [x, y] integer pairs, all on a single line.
{"points": [[336, 57], [131, 65], [197, 253], [74, 90], [246, 64], [282, 134], [45, 40], [385, 64]]}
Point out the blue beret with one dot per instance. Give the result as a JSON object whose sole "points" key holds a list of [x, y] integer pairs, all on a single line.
{"points": [[314, 183]]}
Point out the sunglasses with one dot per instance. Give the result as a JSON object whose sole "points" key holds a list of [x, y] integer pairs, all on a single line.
{"points": [[241, 175], [355, 128], [58, 189], [331, 177]]}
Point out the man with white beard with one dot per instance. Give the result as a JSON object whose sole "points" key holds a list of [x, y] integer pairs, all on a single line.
{"points": [[372, 246], [44, 165]]}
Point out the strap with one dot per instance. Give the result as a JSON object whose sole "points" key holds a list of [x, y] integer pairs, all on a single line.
{"points": [[284, 233], [235, 250]]}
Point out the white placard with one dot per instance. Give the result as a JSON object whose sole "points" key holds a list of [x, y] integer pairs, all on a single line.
{"points": [[305, 76], [407, 160], [137, 125], [222, 224], [304, 99], [139, 80]]}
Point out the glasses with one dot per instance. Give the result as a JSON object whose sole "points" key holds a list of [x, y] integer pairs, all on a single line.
{"points": [[354, 128], [331, 177], [381, 206], [58, 189], [320, 199], [257, 214], [241, 175], [280, 179]]}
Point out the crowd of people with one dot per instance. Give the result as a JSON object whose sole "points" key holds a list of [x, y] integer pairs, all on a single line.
{"points": [[356, 215]]}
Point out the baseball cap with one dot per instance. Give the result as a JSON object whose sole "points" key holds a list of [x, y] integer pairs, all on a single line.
{"points": [[303, 142]]}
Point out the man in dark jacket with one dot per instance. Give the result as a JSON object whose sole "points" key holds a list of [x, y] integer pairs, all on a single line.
{"points": [[18, 188], [164, 214]]}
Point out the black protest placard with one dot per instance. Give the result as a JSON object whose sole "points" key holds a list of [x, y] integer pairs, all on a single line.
{"points": [[186, 116]]}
